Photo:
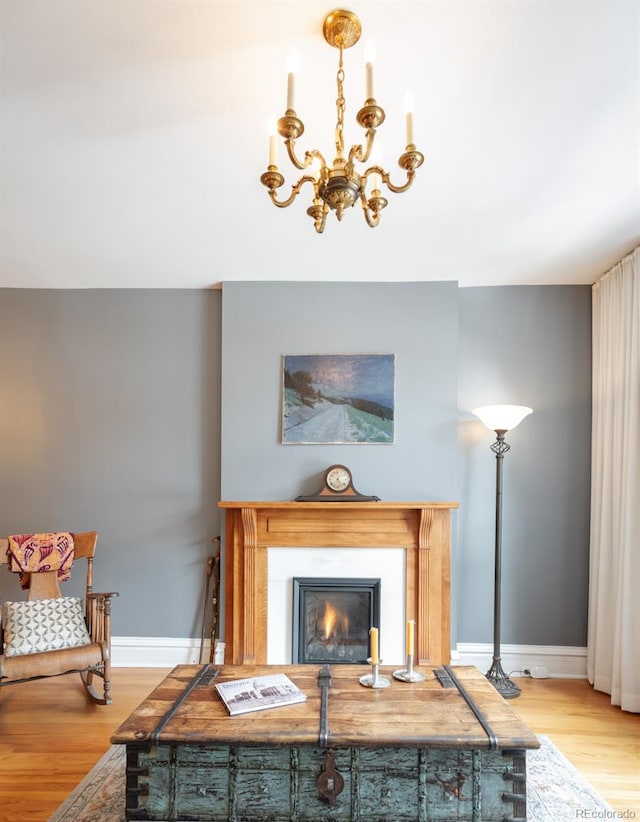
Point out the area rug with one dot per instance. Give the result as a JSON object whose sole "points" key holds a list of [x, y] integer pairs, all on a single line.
{"points": [[556, 791]]}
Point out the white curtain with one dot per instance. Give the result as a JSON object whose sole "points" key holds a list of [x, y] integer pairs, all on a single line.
{"points": [[613, 646]]}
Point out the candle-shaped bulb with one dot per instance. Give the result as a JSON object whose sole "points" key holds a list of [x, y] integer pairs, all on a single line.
{"points": [[292, 65], [369, 56], [376, 163], [408, 108], [291, 90], [369, 83], [373, 636], [315, 167], [272, 142]]}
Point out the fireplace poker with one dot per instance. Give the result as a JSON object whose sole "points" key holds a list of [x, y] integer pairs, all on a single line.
{"points": [[214, 600], [212, 565]]}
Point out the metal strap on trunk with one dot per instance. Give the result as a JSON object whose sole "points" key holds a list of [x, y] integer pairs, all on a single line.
{"points": [[324, 683], [330, 782], [205, 676], [482, 719], [443, 678]]}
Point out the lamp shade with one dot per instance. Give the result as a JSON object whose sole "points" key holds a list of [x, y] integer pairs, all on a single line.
{"points": [[502, 417]]}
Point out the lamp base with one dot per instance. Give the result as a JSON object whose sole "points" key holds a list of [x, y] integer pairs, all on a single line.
{"points": [[500, 681]]}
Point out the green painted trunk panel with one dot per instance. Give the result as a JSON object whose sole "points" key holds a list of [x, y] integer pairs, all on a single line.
{"points": [[278, 784]]}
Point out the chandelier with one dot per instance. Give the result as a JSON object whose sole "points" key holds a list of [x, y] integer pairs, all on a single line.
{"points": [[339, 186]]}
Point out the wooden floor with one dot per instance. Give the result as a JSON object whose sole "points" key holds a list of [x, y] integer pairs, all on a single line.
{"points": [[51, 736]]}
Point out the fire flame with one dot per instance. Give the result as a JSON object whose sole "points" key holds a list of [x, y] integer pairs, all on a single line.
{"points": [[334, 622]]}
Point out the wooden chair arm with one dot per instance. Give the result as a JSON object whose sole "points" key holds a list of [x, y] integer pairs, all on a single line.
{"points": [[98, 616]]}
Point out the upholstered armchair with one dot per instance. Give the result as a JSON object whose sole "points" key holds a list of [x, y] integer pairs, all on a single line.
{"points": [[48, 634]]}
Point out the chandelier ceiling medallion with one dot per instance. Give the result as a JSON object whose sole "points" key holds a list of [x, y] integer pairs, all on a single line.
{"points": [[339, 186]]}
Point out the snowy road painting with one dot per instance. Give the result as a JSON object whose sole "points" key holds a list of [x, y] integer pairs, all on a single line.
{"points": [[338, 398]]}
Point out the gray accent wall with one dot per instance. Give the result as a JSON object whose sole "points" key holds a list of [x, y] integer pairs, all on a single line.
{"points": [[526, 346], [418, 322], [109, 421], [133, 412]]}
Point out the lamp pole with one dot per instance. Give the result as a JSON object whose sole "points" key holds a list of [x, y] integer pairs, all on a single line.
{"points": [[495, 674], [500, 418]]}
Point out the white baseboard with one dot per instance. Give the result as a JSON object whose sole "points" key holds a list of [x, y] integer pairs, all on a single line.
{"points": [[159, 652], [561, 661]]}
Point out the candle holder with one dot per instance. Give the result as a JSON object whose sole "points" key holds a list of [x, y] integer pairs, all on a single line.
{"points": [[374, 680], [408, 674]]}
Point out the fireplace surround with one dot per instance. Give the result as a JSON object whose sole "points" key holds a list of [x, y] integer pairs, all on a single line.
{"points": [[421, 529]]}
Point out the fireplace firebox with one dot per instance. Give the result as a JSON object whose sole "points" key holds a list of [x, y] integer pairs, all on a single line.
{"points": [[332, 617]]}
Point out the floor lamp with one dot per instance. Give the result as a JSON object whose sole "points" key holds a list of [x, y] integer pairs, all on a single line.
{"points": [[500, 418]]}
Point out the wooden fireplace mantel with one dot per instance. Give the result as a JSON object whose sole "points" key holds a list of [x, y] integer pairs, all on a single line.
{"points": [[423, 529]]}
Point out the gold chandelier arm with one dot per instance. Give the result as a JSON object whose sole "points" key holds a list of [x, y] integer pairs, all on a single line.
{"points": [[309, 156], [398, 189], [386, 179], [295, 190], [409, 161], [372, 217], [357, 153], [319, 222], [290, 151]]}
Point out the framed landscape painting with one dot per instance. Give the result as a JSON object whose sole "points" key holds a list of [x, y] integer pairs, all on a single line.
{"points": [[338, 398]]}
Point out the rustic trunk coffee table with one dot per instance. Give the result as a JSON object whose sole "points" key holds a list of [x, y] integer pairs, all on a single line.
{"points": [[446, 748]]}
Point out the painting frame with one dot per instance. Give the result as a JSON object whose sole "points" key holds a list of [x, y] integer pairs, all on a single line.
{"points": [[338, 399]]}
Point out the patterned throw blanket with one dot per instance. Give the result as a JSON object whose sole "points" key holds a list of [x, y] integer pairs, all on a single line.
{"points": [[32, 553]]}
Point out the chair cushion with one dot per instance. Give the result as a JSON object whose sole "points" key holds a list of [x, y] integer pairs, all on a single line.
{"points": [[43, 625]]}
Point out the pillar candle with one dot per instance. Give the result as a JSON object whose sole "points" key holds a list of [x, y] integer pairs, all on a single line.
{"points": [[373, 634], [411, 624]]}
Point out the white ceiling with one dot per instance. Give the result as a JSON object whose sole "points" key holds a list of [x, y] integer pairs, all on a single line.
{"points": [[134, 132]]}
